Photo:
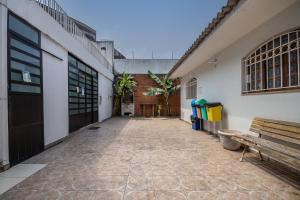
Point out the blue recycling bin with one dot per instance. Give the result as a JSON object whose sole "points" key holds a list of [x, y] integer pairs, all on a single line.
{"points": [[196, 124], [194, 109]]}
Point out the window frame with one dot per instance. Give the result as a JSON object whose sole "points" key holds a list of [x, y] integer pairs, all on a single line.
{"points": [[11, 34], [269, 55], [191, 89]]}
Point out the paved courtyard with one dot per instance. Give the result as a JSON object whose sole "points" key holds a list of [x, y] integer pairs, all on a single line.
{"points": [[158, 159]]}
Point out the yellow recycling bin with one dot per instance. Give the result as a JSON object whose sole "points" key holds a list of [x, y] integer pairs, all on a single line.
{"points": [[199, 112], [214, 112]]}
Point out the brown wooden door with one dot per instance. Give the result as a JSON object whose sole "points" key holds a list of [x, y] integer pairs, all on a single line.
{"points": [[147, 110]]}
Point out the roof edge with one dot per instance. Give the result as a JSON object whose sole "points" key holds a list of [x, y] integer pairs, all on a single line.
{"points": [[225, 11]]}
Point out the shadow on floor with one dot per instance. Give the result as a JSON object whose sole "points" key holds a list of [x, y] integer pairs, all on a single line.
{"points": [[281, 171]]}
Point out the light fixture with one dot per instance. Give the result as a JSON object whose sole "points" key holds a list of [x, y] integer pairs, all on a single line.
{"points": [[213, 61]]}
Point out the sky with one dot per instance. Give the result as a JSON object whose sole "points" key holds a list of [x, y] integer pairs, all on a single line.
{"points": [[140, 27]]}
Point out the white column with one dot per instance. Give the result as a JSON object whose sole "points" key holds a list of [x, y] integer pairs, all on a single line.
{"points": [[4, 153]]}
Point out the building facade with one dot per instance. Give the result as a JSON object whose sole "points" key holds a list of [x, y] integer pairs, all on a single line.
{"points": [[54, 80], [147, 106], [253, 70]]}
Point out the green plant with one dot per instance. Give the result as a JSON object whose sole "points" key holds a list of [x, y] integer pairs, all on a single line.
{"points": [[165, 88], [124, 85]]}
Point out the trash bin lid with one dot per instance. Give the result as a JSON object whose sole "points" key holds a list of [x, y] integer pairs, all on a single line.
{"points": [[213, 104], [201, 102], [193, 102]]}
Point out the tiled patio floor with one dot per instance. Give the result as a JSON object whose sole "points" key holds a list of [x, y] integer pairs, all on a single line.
{"points": [[149, 159]]}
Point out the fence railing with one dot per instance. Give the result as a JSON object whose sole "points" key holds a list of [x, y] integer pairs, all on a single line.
{"points": [[68, 23]]}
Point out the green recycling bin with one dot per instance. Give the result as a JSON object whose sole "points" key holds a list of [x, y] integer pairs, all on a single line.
{"points": [[202, 103]]}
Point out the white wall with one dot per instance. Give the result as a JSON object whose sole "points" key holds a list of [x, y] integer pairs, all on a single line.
{"points": [[222, 83], [141, 66], [4, 154], [105, 90], [108, 53], [55, 72], [55, 77], [36, 16]]}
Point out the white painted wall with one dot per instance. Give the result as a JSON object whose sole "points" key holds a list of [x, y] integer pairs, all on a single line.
{"points": [[108, 53], [105, 91], [37, 17], [222, 83], [141, 66], [55, 74], [4, 154]]}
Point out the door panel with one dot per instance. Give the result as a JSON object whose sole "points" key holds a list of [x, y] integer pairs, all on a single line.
{"points": [[95, 102], [147, 110], [83, 90], [25, 92]]}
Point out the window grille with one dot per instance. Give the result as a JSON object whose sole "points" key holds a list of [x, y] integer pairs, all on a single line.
{"points": [[191, 89], [274, 65]]}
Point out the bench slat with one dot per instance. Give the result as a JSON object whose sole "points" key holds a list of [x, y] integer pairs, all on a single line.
{"points": [[262, 130], [276, 136], [272, 145], [280, 157], [295, 131], [278, 122]]}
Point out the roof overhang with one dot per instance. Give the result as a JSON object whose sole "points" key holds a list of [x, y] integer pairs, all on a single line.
{"points": [[246, 16]]}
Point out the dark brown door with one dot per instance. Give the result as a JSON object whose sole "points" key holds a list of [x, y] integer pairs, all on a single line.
{"points": [[95, 96], [83, 94], [88, 99], [25, 91], [147, 110]]}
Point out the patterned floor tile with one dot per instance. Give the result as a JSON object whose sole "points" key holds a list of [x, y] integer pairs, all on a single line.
{"points": [[129, 159]]}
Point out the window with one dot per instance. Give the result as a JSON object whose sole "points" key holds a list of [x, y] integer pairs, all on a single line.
{"points": [[274, 66], [191, 89], [23, 29], [24, 57]]}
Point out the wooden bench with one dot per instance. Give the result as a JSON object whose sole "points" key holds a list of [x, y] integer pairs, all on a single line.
{"points": [[278, 139]]}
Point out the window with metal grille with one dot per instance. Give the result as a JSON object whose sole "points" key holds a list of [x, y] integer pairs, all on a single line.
{"points": [[274, 65], [191, 89]]}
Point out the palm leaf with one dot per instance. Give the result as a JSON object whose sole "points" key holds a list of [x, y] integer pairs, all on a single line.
{"points": [[154, 92], [156, 78]]}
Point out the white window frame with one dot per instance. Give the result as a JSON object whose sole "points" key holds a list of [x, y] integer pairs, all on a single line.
{"points": [[262, 56], [191, 89]]}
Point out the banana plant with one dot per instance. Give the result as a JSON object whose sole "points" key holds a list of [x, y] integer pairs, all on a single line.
{"points": [[124, 85], [165, 88]]}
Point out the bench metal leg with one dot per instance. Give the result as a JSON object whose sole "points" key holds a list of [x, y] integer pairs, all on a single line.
{"points": [[260, 156], [244, 151]]}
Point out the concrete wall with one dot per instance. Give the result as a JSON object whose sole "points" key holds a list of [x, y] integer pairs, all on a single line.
{"points": [[141, 66], [4, 155], [55, 73], [107, 49], [222, 82], [106, 94]]}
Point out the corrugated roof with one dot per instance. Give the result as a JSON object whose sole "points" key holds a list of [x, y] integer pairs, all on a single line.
{"points": [[231, 4]]}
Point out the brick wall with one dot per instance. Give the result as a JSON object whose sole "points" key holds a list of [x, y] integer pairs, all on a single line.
{"points": [[150, 103]]}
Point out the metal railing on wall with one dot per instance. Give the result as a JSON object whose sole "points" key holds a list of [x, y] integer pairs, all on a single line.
{"points": [[68, 23]]}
